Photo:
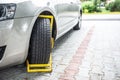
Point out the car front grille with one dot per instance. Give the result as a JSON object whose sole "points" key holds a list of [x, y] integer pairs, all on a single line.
{"points": [[2, 50]]}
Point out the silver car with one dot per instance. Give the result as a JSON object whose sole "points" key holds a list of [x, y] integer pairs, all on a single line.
{"points": [[26, 33]]}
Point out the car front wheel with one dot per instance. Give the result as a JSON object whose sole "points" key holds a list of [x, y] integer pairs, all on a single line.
{"points": [[79, 24], [40, 42]]}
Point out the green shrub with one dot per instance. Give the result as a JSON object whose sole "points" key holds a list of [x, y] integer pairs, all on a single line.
{"points": [[107, 7], [114, 6], [89, 7], [98, 10], [117, 5]]}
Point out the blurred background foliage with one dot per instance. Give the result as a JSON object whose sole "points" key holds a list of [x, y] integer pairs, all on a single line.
{"points": [[100, 6]]}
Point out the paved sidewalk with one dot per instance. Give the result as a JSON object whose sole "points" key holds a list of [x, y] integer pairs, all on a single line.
{"points": [[104, 52], [93, 53]]}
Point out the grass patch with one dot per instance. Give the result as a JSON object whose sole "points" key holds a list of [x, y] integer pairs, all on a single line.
{"points": [[104, 11], [89, 8]]}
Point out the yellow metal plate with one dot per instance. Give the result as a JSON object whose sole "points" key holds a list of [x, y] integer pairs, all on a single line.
{"points": [[40, 67]]}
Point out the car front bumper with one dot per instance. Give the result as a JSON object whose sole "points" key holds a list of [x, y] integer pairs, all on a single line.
{"points": [[14, 37]]}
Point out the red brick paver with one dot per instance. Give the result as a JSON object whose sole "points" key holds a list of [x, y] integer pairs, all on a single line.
{"points": [[73, 67]]}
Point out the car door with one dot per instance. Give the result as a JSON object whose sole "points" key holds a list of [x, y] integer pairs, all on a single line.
{"points": [[62, 11], [67, 11], [74, 9]]}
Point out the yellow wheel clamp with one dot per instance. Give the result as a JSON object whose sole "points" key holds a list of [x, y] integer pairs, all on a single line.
{"points": [[43, 67]]}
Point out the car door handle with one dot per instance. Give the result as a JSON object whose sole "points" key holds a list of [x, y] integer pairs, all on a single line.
{"points": [[48, 3], [71, 2]]}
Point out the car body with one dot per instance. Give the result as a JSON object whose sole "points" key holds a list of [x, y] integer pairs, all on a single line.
{"points": [[18, 19]]}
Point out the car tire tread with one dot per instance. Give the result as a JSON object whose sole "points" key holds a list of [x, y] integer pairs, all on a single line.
{"points": [[40, 45]]}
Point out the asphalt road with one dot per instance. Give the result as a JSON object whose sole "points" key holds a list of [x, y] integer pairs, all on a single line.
{"points": [[97, 44]]}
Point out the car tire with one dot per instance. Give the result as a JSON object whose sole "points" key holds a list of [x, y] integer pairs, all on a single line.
{"points": [[78, 25], [40, 42]]}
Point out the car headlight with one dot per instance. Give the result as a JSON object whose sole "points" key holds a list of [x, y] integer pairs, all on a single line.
{"points": [[7, 11]]}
